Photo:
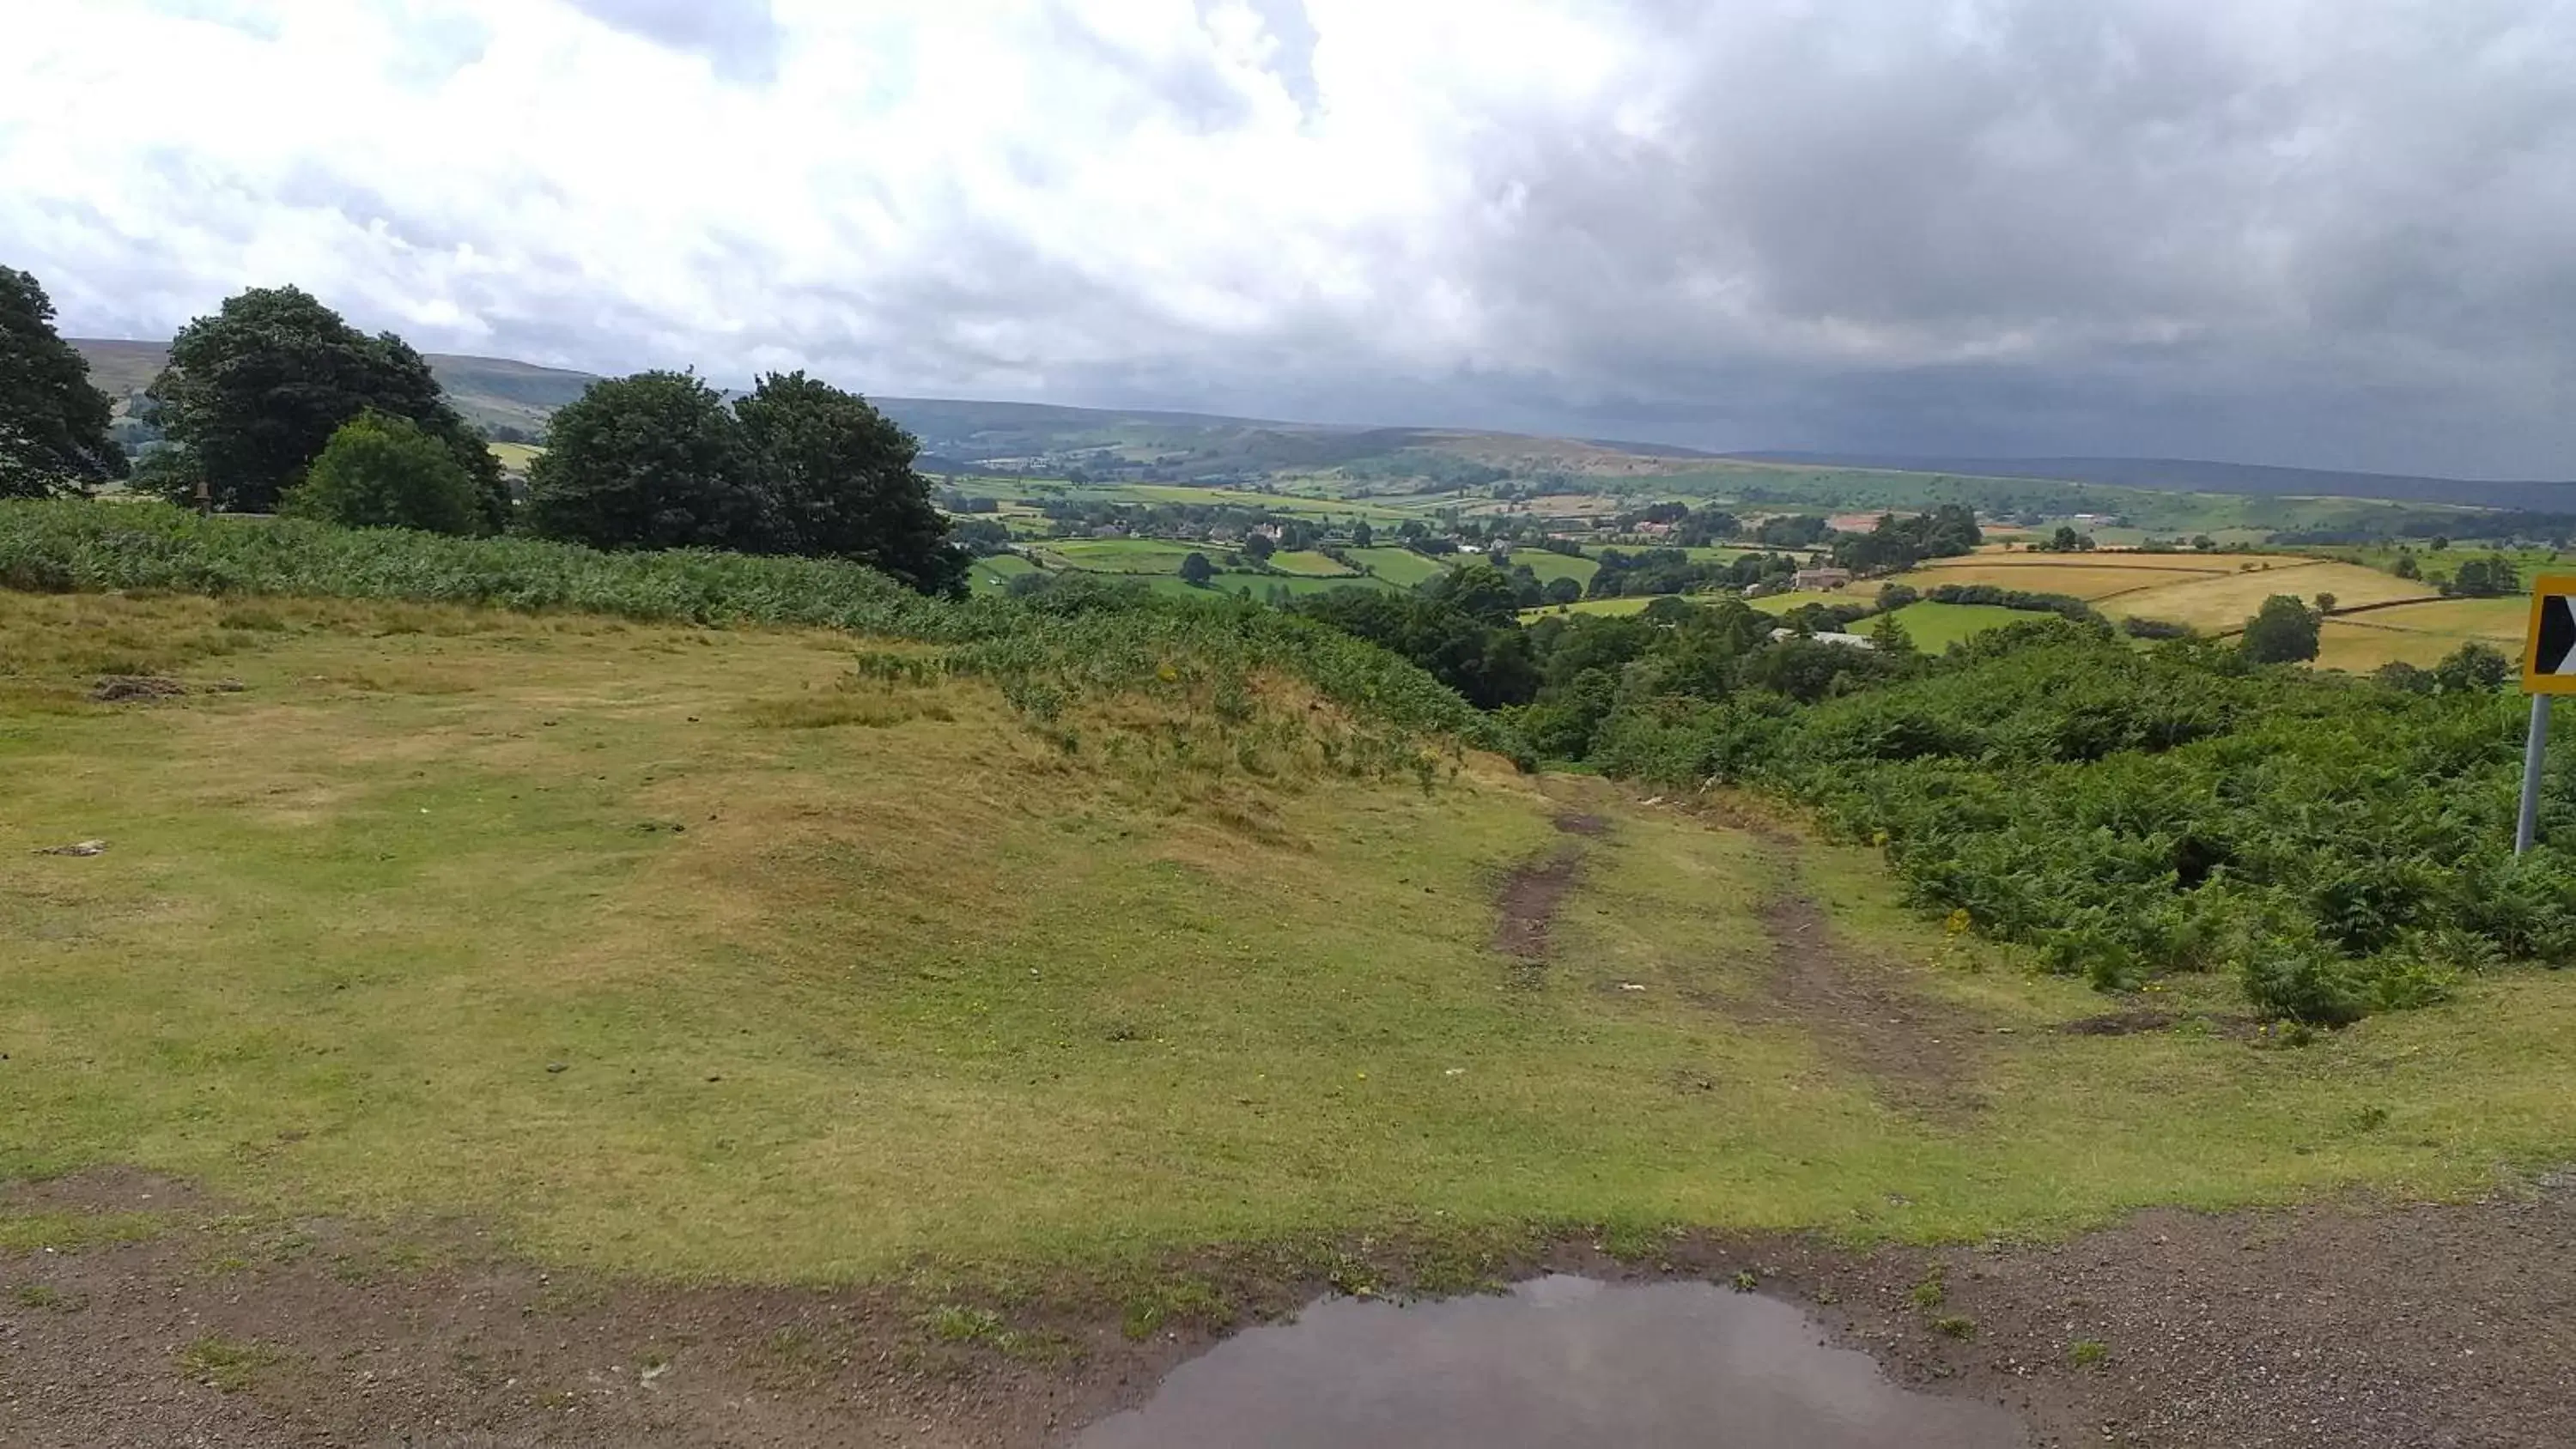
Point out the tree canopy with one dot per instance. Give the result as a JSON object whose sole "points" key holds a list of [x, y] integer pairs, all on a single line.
{"points": [[254, 393], [658, 460], [650, 461], [387, 472], [2284, 632], [839, 475], [53, 423]]}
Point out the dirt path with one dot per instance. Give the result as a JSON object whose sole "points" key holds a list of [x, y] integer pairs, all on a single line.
{"points": [[1915, 1049], [2421, 1328], [1526, 906]]}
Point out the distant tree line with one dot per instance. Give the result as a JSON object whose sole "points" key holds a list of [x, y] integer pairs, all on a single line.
{"points": [[276, 404], [1902, 541]]}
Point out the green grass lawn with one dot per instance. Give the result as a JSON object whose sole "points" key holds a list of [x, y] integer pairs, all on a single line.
{"points": [[702, 953]]}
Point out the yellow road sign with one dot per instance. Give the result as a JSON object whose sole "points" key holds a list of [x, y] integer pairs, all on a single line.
{"points": [[2549, 649]]}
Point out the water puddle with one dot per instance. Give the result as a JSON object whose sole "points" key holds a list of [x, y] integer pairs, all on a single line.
{"points": [[1558, 1362]]}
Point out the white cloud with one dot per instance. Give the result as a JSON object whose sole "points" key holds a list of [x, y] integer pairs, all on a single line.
{"points": [[2297, 230]]}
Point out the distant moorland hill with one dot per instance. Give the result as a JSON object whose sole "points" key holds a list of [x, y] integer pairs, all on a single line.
{"points": [[514, 399], [2200, 476]]}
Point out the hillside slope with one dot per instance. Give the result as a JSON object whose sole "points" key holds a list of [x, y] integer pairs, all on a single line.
{"points": [[491, 392]]}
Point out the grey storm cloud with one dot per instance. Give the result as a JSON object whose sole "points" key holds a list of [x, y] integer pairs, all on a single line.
{"points": [[2326, 232]]}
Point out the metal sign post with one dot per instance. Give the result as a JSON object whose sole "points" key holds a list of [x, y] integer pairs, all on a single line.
{"points": [[2548, 670]]}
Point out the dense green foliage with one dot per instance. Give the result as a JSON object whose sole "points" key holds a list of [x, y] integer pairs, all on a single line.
{"points": [[1674, 571], [2491, 577], [651, 461], [253, 394], [2064, 605], [839, 475], [385, 472], [2342, 847], [1461, 633], [1901, 542], [2284, 631], [1066, 643], [658, 460], [53, 423]]}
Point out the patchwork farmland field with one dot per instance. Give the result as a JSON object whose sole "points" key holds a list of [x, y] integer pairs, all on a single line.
{"points": [[1553, 566], [1399, 566], [2421, 634], [1128, 555], [1311, 564]]}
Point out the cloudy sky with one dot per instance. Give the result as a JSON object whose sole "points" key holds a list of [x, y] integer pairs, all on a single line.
{"points": [[2327, 232]]}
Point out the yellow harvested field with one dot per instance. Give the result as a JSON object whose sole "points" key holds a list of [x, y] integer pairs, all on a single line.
{"points": [[2504, 619], [2195, 563], [2226, 602], [2048, 575], [2421, 634]]}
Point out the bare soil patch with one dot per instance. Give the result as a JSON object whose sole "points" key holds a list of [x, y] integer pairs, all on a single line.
{"points": [[1913, 1048], [1526, 906]]}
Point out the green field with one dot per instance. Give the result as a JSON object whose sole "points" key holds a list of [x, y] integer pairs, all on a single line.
{"points": [[693, 953], [990, 575], [1399, 566], [1128, 555], [1552, 566], [515, 456], [1262, 586], [1782, 603], [1606, 608], [1310, 563], [1936, 627]]}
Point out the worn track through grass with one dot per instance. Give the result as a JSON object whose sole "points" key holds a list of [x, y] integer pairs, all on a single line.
{"points": [[1915, 1049]]}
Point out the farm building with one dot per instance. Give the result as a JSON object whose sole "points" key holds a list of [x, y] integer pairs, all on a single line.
{"points": [[1825, 578]]}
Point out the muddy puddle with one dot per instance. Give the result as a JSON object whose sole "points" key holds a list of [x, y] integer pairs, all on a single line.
{"points": [[1559, 1361]]}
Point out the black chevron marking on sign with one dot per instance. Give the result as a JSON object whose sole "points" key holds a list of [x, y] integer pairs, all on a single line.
{"points": [[2557, 651]]}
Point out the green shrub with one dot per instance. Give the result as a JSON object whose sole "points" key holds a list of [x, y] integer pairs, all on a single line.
{"points": [[2340, 846], [386, 472]]}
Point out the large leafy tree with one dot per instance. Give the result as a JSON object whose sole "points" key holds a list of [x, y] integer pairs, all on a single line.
{"points": [[2283, 632], [53, 423], [839, 476], [387, 472], [254, 393], [652, 461]]}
